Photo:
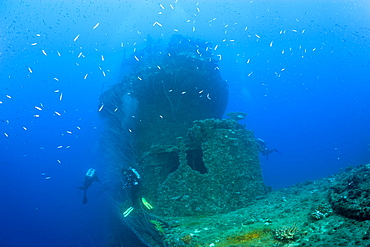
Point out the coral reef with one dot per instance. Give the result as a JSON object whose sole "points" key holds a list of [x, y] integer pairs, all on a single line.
{"points": [[321, 211], [351, 196], [286, 234]]}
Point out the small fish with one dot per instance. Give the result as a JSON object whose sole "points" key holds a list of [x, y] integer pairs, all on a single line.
{"points": [[76, 37], [157, 23], [96, 25]]}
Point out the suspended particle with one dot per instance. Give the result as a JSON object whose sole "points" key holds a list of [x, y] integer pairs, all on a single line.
{"points": [[85, 76], [44, 52], [101, 107], [57, 113], [61, 96], [24, 128], [96, 25], [6, 134]]}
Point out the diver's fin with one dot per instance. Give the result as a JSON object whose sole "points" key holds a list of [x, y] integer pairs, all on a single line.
{"points": [[84, 201]]}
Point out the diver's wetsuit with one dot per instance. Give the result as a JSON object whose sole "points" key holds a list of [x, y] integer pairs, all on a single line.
{"points": [[132, 178]]}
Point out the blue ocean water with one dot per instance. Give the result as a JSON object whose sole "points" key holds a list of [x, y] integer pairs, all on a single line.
{"points": [[300, 69]]}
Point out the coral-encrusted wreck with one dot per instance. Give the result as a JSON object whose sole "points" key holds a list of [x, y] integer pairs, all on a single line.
{"points": [[164, 120]]}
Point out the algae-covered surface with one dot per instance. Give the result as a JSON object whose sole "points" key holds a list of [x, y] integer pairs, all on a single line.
{"points": [[301, 215]]}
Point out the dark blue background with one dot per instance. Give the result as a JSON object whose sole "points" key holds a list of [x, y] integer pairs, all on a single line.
{"points": [[311, 101]]}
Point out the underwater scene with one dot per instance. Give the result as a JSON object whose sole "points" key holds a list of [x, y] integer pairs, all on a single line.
{"points": [[184, 123]]}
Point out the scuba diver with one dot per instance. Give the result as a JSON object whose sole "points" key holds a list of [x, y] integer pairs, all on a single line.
{"points": [[262, 148], [131, 182], [90, 177]]}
